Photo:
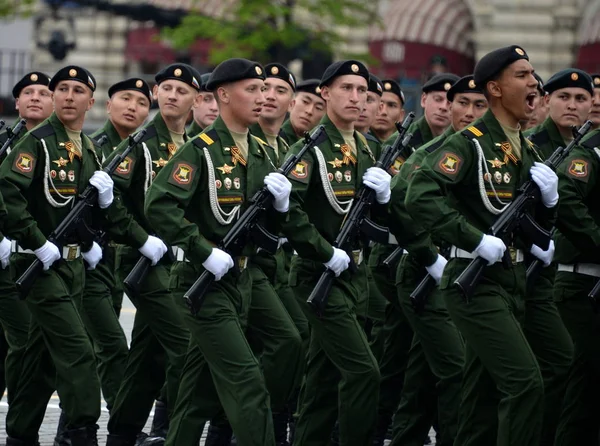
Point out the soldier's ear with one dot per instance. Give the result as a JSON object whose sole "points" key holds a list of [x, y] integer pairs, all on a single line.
{"points": [[155, 92], [223, 95], [423, 98], [91, 103], [494, 89]]}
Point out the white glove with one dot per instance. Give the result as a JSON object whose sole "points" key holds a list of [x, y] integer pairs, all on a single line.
{"points": [[547, 181], [104, 183], [93, 256], [282, 241], [379, 180], [48, 253], [218, 263], [5, 249], [154, 249], [491, 248], [338, 262], [281, 188], [544, 256], [437, 268]]}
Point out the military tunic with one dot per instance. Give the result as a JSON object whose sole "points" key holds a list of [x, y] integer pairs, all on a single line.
{"points": [[194, 129], [577, 244], [288, 133], [112, 140], [449, 195], [40, 180]]}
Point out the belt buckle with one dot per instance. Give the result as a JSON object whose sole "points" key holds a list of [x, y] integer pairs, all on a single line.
{"points": [[72, 252], [242, 263], [513, 254], [357, 256]]}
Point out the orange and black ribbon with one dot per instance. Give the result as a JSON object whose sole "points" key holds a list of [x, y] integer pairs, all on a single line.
{"points": [[237, 157], [348, 155]]}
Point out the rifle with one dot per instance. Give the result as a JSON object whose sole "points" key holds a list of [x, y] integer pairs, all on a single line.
{"points": [[74, 218], [356, 220], [12, 135], [392, 260], [516, 216], [247, 224], [2, 124], [427, 284], [594, 296], [534, 269]]}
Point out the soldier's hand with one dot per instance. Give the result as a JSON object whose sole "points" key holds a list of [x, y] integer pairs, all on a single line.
{"points": [[491, 249], [545, 256], [547, 181], [5, 249], [48, 253], [104, 183], [437, 268], [379, 180], [281, 188], [218, 263], [93, 256], [154, 249], [339, 261]]}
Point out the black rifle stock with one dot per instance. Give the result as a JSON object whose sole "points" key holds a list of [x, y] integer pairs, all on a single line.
{"points": [[12, 135], [517, 217], [356, 219], [74, 218], [247, 224], [418, 297]]}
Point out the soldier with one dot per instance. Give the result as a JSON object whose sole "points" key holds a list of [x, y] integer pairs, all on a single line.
{"points": [[342, 374], [372, 107], [204, 110], [540, 112], [578, 272], [307, 109], [595, 113], [192, 205], [391, 111], [40, 181], [465, 184], [159, 335]]}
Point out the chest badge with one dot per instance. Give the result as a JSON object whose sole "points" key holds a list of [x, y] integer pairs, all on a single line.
{"points": [[160, 162], [497, 177], [507, 177], [496, 163], [61, 162], [336, 163], [226, 169]]}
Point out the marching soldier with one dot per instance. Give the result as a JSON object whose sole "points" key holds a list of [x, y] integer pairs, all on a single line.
{"points": [[204, 111], [595, 113], [192, 204], [40, 181], [159, 335], [540, 112], [307, 109], [457, 194], [391, 111]]}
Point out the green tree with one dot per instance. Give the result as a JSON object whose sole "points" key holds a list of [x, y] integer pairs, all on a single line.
{"points": [[10, 8]]}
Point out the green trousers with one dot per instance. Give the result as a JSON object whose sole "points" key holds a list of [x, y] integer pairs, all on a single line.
{"points": [[553, 348], [435, 365], [103, 327], [221, 372], [342, 375], [15, 318], [115, 251], [58, 355], [502, 390], [159, 342], [377, 272], [579, 421]]}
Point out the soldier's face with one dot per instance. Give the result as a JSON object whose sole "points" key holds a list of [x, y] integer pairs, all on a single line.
{"points": [[34, 103], [390, 113], [307, 110], [175, 98], [205, 109], [72, 100], [540, 112], [595, 113], [569, 106], [436, 108], [515, 89], [370, 110], [128, 109], [278, 97], [242, 100], [345, 97], [466, 108]]}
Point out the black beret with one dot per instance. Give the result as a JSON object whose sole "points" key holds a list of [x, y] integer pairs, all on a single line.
{"points": [[133, 83], [203, 81], [391, 86], [33, 78], [540, 85], [493, 63], [281, 72], [342, 68], [375, 85], [179, 72], [232, 70], [596, 80], [570, 77], [310, 86], [463, 85], [73, 73], [440, 82]]}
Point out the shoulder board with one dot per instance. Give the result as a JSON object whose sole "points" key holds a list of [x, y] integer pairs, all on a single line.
{"points": [[96, 139], [477, 130], [43, 131], [261, 141], [435, 145], [417, 139], [150, 133], [592, 142], [206, 138], [285, 143], [539, 138], [362, 138]]}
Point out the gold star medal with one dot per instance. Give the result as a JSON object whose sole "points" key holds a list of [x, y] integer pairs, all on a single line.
{"points": [[61, 162], [160, 162], [336, 163], [496, 163], [226, 169]]}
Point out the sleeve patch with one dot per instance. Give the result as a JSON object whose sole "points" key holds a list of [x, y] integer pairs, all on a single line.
{"points": [[579, 169], [182, 175], [125, 168], [301, 172], [449, 164], [24, 164]]}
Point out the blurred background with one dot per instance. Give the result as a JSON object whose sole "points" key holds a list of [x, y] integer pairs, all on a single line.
{"points": [[407, 40]]}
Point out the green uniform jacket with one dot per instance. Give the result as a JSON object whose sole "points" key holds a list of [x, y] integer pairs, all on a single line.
{"points": [[133, 177], [179, 204], [444, 193], [26, 172], [546, 137], [579, 209], [4, 138], [194, 129], [287, 133], [420, 131], [282, 146], [111, 143]]}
